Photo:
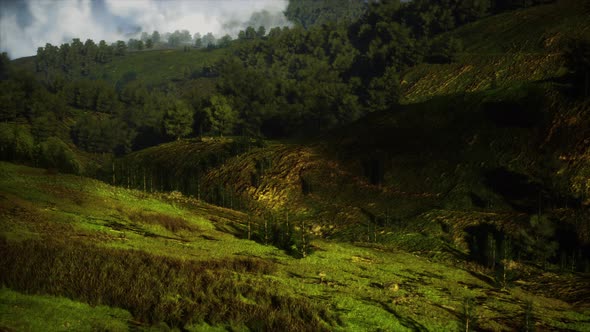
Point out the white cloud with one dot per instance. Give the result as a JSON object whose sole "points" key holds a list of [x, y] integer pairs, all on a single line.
{"points": [[57, 22]]}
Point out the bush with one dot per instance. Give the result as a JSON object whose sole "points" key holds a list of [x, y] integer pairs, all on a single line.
{"points": [[537, 238], [173, 224], [54, 153], [158, 289], [445, 50], [16, 143]]}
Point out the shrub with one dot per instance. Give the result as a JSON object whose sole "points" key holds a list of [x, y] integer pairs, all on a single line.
{"points": [[16, 143], [158, 289], [537, 238], [173, 224], [54, 153]]}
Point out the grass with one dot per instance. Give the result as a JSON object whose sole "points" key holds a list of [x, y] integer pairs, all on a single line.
{"points": [[159, 66], [152, 67], [90, 250], [164, 260], [157, 289], [502, 50], [49, 313]]}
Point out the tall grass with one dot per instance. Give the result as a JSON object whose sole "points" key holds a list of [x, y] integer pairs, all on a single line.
{"points": [[173, 224], [159, 289]]}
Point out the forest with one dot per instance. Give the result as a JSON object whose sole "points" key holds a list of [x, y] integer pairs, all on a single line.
{"points": [[319, 74], [400, 157]]}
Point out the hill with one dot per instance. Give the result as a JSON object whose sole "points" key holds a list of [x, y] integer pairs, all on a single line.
{"points": [[502, 50], [165, 258], [152, 67], [468, 200]]}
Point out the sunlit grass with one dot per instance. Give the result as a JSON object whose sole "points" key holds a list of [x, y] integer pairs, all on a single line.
{"points": [[20, 312], [374, 286]]}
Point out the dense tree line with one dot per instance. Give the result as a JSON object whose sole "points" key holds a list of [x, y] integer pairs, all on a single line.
{"points": [[76, 58], [336, 64], [309, 13]]}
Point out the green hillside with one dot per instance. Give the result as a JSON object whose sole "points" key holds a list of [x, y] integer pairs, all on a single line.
{"points": [[182, 258], [503, 50], [151, 67], [343, 177]]}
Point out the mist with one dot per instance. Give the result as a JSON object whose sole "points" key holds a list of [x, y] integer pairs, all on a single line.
{"points": [[26, 25]]}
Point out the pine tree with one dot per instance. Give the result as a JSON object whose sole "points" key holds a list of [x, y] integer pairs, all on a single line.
{"points": [[178, 120], [221, 115]]}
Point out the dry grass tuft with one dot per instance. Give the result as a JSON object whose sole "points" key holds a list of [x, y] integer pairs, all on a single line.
{"points": [[173, 224]]}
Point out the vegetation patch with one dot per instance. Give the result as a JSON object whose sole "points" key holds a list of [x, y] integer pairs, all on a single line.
{"points": [[173, 224], [158, 289]]}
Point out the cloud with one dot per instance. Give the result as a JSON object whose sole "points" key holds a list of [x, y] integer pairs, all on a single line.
{"points": [[28, 24]]}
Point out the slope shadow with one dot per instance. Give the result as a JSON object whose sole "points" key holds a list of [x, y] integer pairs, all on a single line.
{"points": [[523, 193]]}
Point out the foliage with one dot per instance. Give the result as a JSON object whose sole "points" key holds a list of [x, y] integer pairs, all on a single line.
{"points": [[308, 13], [102, 135], [54, 153], [537, 240], [157, 289], [42, 127], [445, 50], [21, 311], [76, 59], [16, 143], [577, 58], [73, 244], [528, 324], [469, 315], [178, 120], [222, 117], [384, 91]]}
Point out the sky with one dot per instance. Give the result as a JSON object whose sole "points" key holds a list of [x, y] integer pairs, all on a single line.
{"points": [[26, 25]]}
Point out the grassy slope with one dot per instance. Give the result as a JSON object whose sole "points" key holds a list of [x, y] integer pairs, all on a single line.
{"points": [[152, 67], [421, 191], [47, 313], [449, 113], [159, 66], [505, 49], [365, 287]]}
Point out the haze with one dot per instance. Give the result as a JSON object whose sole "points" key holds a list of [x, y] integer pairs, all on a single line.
{"points": [[25, 25]]}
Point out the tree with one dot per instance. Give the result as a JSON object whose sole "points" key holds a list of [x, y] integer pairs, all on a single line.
{"points": [[132, 43], [149, 43], [44, 127], [56, 154], [4, 65], [250, 33], [104, 53], [156, 37], [261, 32], [106, 98], [222, 117], [40, 60], [225, 41], [23, 144], [537, 238], [384, 91], [12, 100], [208, 40], [468, 315], [174, 39], [178, 120], [6, 141], [445, 50], [577, 58], [120, 48], [198, 43]]}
